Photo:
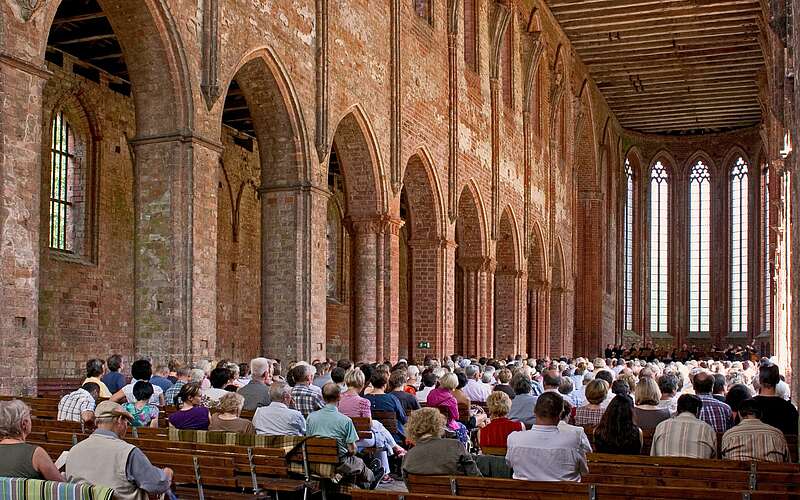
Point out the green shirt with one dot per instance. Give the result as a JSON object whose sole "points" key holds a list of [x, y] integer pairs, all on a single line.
{"points": [[329, 423]]}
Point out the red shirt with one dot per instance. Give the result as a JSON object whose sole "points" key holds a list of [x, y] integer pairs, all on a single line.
{"points": [[495, 434]]}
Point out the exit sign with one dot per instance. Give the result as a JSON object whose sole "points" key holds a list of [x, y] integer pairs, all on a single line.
{"points": [[424, 345]]}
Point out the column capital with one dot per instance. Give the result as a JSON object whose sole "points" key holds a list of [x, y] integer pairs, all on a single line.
{"points": [[379, 224]]}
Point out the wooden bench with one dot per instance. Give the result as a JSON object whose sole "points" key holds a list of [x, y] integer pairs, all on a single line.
{"points": [[388, 419], [486, 488]]}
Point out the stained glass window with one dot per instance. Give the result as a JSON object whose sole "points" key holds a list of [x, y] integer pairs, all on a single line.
{"points": [[739, 253]]}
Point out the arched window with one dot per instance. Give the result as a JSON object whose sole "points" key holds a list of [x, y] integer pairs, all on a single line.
{"points": [[68, 190], [471, 34], [628, 245], [739, 254], [424, 9], [508, 65], [699, 248], [766, 275], [659, 244]]}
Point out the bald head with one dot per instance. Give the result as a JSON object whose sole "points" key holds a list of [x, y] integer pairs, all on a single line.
{"points": [[331, 393]]}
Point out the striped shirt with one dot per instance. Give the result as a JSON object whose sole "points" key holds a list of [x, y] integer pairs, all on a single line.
{"points": [[754, 440], [307, 399], [684, 436], [73, 404], [584, 415]]}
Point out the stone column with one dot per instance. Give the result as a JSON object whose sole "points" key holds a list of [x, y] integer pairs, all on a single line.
{"points": [[376, 272], [589, 295], [447, 258], [538, 319], [293, 291], [21, 85], [477, 310], [175, 247]]}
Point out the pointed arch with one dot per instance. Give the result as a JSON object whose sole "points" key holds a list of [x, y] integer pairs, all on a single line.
{"points": [[508, 288], [734, 153], [509, 257], [423, 188], [634, 154], [476, 239], [557, 302], [537, 257], [277, 118], [667, 160], [365, 180]]}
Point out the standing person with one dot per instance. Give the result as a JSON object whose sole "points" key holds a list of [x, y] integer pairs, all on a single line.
{"points": [[775, 411], [94, 370], [546, 453], [752, 439], [104, 458], [142, 412], [685, 435], [114, 380], [616, 433], [256, 392], [18, 458]]}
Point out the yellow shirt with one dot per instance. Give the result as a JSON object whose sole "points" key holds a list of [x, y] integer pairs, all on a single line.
{"points": [[104, 392]]}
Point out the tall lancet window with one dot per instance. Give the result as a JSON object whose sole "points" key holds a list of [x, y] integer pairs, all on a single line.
{"points": [[659, 245], [629, 246], [766, 276], [699, 248], [739, 253]]}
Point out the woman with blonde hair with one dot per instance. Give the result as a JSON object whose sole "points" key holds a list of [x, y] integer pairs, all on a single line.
{"points": [[228, 419], [431, 454], [495, 433], [591, 413], [18, 458], [647, 414]]}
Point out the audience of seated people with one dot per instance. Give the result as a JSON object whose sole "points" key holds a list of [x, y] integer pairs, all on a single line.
{"points": [[94, 371], [684, 405]]}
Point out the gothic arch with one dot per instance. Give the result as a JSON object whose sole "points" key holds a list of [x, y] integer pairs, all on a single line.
{"points": [[537, 295], [667, 160], [508, 288], [365, 180], [277, 118], [558, 312], [732, 155], [694, 158]]}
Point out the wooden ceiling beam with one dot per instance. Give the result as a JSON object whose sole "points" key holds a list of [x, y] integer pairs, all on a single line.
{"points": [[689, 120], [650, 27], [677, 88], [90, 16], [744, 68], [626, 116], [665, 38], [661, 10], [559, 6], [666, 48], [711, 76], [633, 20], [85, 39], [676, 55], [633, 101]]}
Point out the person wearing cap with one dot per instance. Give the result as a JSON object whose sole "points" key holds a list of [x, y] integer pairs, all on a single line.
{"points": [[105, 459]]}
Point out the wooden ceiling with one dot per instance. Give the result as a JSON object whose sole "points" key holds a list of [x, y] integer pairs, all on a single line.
{"points": [[670, 66]]}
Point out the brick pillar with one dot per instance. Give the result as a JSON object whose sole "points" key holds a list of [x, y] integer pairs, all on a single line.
{"points": [[589, 293], [21, 85], [293, 293], [447, 256], [175, 247], [538, 318], [507, 312], [376, 272], [477, 309]]}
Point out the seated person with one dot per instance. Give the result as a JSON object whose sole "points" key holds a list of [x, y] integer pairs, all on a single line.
{"points": [[141, 369], [753, 440], [431, 454], [78, 406], [523, 403], [547, 453], [443, 400], [18, 458], [144, 414], [590, 414], [616, 433], [104, 458], [279, 418], [329, 423], [113, 379], [381, 401], [396, 387], [429, 380], [191, 414], [685, 435], [94, 370], [775, 410], [503, 379], [219, 378], [495, 433], [646, 414], [228, 419]]}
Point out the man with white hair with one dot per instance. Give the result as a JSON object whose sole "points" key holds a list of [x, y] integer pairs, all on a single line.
{"points": [[475, 390], [279, 418], [256, 393], [307, 397]]}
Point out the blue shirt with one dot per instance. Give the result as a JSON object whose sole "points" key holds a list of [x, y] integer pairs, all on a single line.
{"points": [[522, 409], [114, 381], [388, 402], [329, 423], [162, 382]]}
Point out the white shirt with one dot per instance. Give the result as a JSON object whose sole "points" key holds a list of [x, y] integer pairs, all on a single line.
{"points": [[546, 453], [155, 399], [586, 446], [214, 394], [277, 419], [422, 395], [477, 391]]}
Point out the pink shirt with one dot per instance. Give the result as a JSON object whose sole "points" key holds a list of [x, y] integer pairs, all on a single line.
{"points": [[443, 398], [353, 405]]}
